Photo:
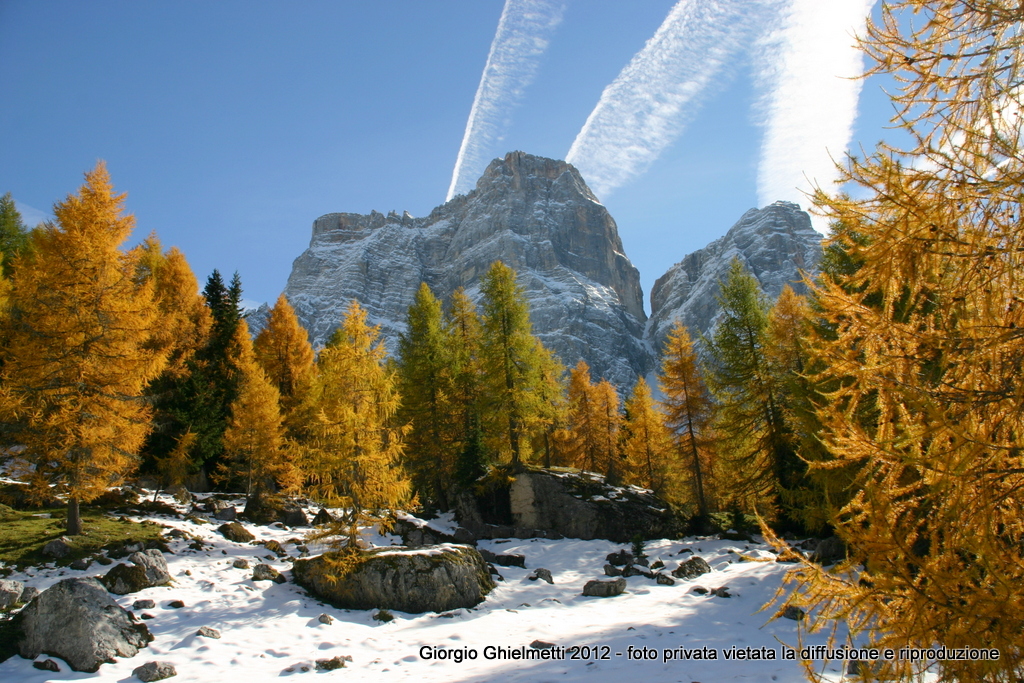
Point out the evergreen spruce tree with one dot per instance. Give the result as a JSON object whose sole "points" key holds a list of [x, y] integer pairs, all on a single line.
{"points": [[79, 350], [689, 410], [758, 444], [14, 236], [511, 365], [426, 381], [922, 361], [212, 382], [354, 459], [465, 331]]}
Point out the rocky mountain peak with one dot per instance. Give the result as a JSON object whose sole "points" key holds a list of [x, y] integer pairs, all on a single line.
{"points": [[535, 214], [776, 244]]}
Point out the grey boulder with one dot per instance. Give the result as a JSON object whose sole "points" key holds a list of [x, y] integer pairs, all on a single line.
{"points": [[692, 568], [148, 569], [154, 671], [604, 589], [428, 579], [78, 621]]}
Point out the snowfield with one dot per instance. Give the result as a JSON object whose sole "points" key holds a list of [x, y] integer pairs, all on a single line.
{"points": [[269, 631]]}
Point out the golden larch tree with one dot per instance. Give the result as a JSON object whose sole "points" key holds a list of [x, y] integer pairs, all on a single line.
{"points": [[354, 459], [285, 354], [80, 349], [648, 446], [256, 452], [689, 409], [926, 349]]}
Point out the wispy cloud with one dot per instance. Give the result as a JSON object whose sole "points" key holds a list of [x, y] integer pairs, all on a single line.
{"points": [[809, 95], [652, 99], [31, 216], [521, 39]]}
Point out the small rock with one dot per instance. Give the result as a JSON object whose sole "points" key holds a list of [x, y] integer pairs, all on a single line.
{"points": [[228, 514], [692, 568], [793, 612], [332, 663], [176, 604], [144, 604], [304, 550], [154, 671], [322, 517], [46, 665], [148, 569], [620, 559], [541, 573], [509, 560], [175, 533], [207, 632], [233, 531], [264, 572], [664, 580], [104, 560], [275, 547], [658, 564], [58, 548], [325, 619], [541, 645], [240, 563], [383, 616], [829, 551], [11, 592], [612, 570], [637, 570], [722, 592], [147, 616], [700, 590], [604, 589], [81, 564]]}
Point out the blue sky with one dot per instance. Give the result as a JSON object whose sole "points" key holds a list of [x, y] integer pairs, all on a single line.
{"points": [[233, 125]]}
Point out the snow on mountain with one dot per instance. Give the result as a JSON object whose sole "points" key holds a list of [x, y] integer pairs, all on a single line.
{"points": [[776, 244]]}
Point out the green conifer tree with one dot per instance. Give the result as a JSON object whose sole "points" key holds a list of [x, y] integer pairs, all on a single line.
{"points": [[426, 381], [511, 365]]}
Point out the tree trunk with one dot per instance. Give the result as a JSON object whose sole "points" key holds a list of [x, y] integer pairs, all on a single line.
{"points": [[74, 525]]}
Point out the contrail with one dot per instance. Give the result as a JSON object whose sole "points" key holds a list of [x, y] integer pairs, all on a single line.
{"points": [[652, 99], [810, 92], [522, 37]]}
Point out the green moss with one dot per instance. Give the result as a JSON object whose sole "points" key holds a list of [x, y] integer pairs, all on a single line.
{"points": [[23, 535]]}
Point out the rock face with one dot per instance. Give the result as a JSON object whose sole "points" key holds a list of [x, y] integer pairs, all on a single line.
{"points": [[430, 579], [78, 621], [775, 244], [581, 505], [535, 214]]}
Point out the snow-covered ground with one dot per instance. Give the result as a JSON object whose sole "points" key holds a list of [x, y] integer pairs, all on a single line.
{"points": [[272, 630]]}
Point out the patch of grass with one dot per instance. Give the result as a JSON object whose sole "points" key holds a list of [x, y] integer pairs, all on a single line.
{"points": [[23, 535]]}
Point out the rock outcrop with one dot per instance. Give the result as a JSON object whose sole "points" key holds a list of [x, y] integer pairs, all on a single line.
{"points": [[535, 214], [776, 244], [581, 505], [78, 621], [429, 579]]}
